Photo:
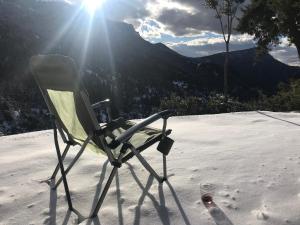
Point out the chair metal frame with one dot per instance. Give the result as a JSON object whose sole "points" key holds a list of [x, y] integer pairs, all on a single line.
{"points": [[122, 139]]}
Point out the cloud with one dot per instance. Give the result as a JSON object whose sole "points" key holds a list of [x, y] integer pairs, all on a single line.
{"points": [[186, 26], [286, 54], [125, 9], [150, 29], [157, 7], [212, 38], [179, 17], [184, 22], [181, 22], [209, 44]]}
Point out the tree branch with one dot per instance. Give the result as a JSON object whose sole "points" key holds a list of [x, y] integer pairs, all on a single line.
{"points": [[221, 23]]}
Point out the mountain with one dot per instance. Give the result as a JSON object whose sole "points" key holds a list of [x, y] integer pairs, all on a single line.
{"points": [[251, 72], [116, 62]]}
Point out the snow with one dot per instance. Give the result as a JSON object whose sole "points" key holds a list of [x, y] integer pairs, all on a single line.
{"points": [[249, 162]]}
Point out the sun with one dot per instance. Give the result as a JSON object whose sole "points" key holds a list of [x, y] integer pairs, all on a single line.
{"points": [[92, 5]]}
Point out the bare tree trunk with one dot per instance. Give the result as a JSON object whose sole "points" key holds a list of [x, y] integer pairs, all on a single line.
{"points": [[226, 63], [298, 49]]}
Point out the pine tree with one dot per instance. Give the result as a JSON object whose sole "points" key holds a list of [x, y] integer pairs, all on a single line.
{"points": [[269, 20]]}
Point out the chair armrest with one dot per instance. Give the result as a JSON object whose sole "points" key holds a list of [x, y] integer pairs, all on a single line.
{"points": [[104, 104], [128, 133]]}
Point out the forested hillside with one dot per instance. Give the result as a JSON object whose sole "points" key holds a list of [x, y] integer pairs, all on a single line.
{"points": [[116, 62]]}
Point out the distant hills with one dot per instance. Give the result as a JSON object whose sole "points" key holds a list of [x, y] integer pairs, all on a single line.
{"points": [[249, 73], [116, 61]]}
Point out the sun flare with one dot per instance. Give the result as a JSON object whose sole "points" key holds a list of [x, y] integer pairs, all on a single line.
{"points": [[92, 5]]}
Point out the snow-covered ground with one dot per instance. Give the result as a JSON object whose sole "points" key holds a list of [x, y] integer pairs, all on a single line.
{"points": [[248, 161]]}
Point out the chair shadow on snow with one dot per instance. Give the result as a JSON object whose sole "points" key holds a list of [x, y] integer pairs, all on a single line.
{"points": [[52, 208], [52, 205], [276, 118], [53, 202], [159, 204]]}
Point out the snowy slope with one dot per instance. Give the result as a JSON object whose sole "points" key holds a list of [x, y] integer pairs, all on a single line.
{"points": [[248, 161]]}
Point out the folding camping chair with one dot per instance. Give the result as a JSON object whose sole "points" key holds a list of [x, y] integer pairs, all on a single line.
{"points": [[75, 120]]}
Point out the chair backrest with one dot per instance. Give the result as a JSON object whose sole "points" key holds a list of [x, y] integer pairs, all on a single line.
{"points": [[65, 96]]}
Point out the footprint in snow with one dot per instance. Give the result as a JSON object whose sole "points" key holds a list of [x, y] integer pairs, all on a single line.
{"points": [[194, 169], [97, 175], [258, 121], [206, 188], [261, 215], [192, 177], [171, 175], [229, 205], [3, 190], [260, 180], [132, 208], [46, 221], [224, 194], [30, 206], [45, 212], [198, 202]]}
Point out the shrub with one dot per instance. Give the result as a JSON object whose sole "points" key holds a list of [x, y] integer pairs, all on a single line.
{"points": [[192, 105], [286, 99]]}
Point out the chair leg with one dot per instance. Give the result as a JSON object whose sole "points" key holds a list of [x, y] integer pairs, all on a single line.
{"points": [[146, 165], [104, 192], [73, 161], [62, 157], [61, 166], [165, 167]]}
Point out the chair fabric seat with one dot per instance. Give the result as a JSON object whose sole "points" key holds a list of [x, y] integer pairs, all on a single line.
{"points": [[66, 109]]}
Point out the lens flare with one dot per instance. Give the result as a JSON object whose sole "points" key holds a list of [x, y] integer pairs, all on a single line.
{"points": [[92, 5]]}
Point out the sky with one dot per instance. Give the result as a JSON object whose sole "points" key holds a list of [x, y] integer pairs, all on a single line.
{"points": [[186, 26]]}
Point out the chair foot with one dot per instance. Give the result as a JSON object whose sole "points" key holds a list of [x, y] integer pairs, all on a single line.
{"points": [[88, 219], [80, 217], [47, 181], [162, 179], [52, 184]]}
